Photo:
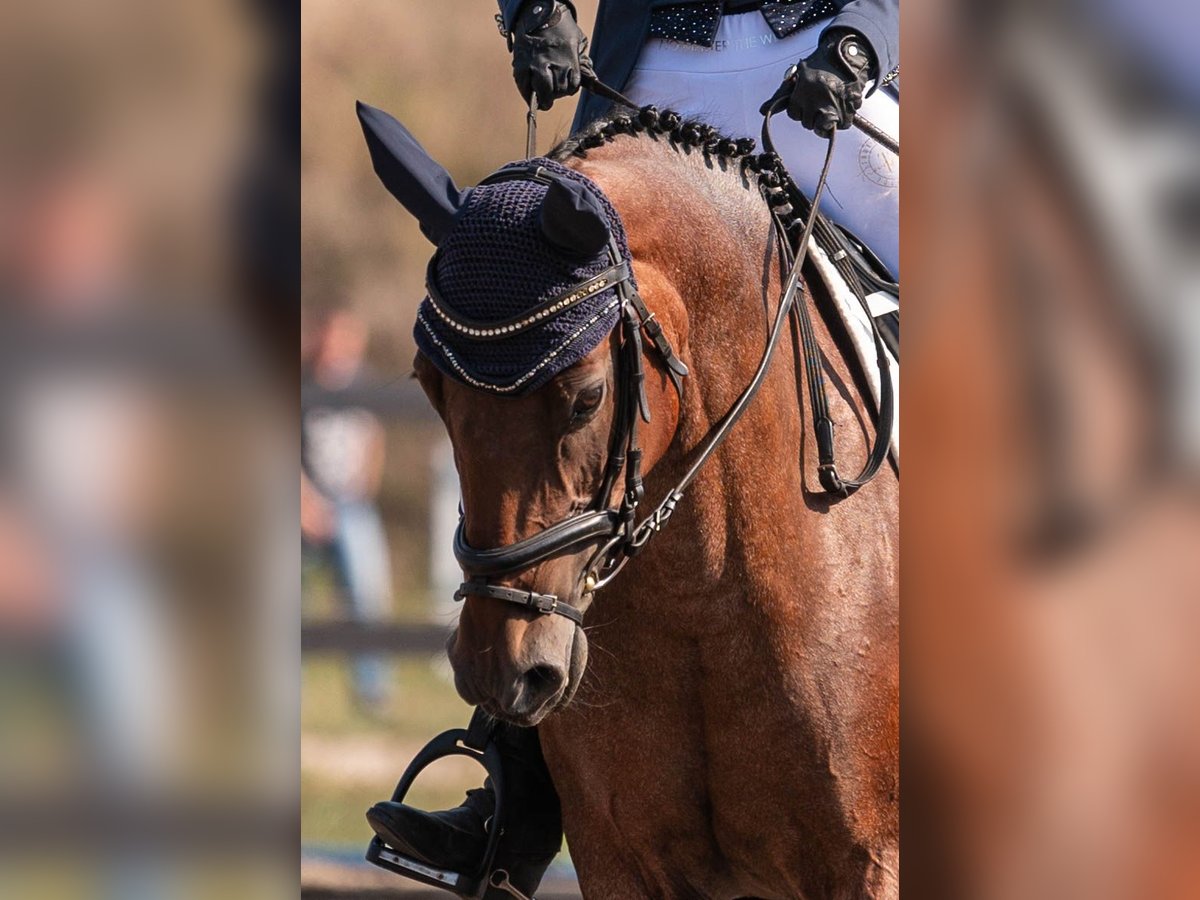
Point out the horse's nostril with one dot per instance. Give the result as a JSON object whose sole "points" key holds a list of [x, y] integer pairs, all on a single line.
{"points": [[531, 692], [537, 686], [544, 679]]}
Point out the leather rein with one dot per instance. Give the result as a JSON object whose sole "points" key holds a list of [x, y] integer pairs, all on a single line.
{"points": [[619, 529]]}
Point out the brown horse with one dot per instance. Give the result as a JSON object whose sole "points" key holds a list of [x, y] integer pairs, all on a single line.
{"points": [[735, 732]]}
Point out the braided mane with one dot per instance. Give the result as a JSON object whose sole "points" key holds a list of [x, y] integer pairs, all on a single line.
{"points": [[766, 170]]}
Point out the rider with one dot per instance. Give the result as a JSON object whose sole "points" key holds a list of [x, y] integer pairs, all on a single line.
{"points": [[716, 61]]}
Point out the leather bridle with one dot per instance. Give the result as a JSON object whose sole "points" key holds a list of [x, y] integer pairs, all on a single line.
{"points": [[614, 527], [618, 530]]}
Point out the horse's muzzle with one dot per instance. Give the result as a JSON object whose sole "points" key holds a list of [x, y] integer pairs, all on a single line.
{"points": [[518, 671], [524, 699]]}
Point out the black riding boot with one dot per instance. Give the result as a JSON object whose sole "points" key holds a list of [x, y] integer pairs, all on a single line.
{"points": [[456, 839]]}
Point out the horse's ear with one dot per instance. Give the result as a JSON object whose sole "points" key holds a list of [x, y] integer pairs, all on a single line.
{"points": [[414, 178], [573, 220]]}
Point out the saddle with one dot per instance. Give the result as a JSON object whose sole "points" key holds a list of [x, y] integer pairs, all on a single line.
{"points": [[882, 290]]}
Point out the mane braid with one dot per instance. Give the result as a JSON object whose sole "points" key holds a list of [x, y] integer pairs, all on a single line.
{"points": [[765, 170]]}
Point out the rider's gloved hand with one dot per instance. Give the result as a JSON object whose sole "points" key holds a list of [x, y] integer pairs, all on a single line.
{"points": [[831, 82], [549, 51]]}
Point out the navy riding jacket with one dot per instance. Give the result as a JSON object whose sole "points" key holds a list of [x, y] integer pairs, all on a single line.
{"points": [[622, 26]]}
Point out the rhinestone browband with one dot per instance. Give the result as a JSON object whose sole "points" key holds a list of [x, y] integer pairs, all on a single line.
{"points": [[486, 331], [545, 361]]}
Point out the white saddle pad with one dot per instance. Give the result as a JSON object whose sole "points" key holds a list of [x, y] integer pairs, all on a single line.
{"points": [[859, 327]]}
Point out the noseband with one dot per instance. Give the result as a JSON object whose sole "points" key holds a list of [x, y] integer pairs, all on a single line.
{"points": [[616, 529]]}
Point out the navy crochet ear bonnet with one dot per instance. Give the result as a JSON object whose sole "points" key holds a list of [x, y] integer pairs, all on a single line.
{"points": [[523, 283], [496, 269]]}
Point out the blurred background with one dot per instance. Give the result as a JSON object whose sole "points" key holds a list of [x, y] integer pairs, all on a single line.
{"points": [[149, 573], [1050, 580]]}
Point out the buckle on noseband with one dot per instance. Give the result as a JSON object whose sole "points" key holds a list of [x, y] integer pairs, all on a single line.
{"points": [[543, 604]]}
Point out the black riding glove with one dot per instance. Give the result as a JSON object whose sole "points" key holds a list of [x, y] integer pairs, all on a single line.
{"points": [[549, 51], [831, 82]]}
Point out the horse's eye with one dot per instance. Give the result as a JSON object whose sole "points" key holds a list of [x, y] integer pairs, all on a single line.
{"points": [[587, 402]]}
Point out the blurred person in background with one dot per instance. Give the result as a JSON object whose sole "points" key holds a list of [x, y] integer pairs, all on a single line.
{"points": [[83, 433], [141, 457], [717, 62], [341, 465], [84, 458]]}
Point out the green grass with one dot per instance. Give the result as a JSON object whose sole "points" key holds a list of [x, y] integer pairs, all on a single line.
{"points": [[423, 701], [424, 704], [333, 815]]}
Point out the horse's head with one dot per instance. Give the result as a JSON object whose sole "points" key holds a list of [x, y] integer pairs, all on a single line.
{"points": [[525, 463], [531, 350]]}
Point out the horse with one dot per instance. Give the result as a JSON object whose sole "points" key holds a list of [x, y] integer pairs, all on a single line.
{"points": [[725, 722]]}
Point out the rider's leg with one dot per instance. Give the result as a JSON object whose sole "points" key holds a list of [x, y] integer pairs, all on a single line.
{"points": [[455, 839]]}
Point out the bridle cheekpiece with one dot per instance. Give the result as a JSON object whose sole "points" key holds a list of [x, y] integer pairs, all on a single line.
{"points": [[616, 529]]}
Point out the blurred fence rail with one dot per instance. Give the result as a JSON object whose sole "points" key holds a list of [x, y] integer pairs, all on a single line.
{"points": [[344, 636], [401, 399]]}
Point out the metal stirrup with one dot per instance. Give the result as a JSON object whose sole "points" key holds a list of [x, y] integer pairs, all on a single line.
{"points": [[499, 880]]}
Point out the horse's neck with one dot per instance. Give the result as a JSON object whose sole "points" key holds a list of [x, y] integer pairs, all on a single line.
{"points": [[708, 251], [753, 617], [753, 524]]}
